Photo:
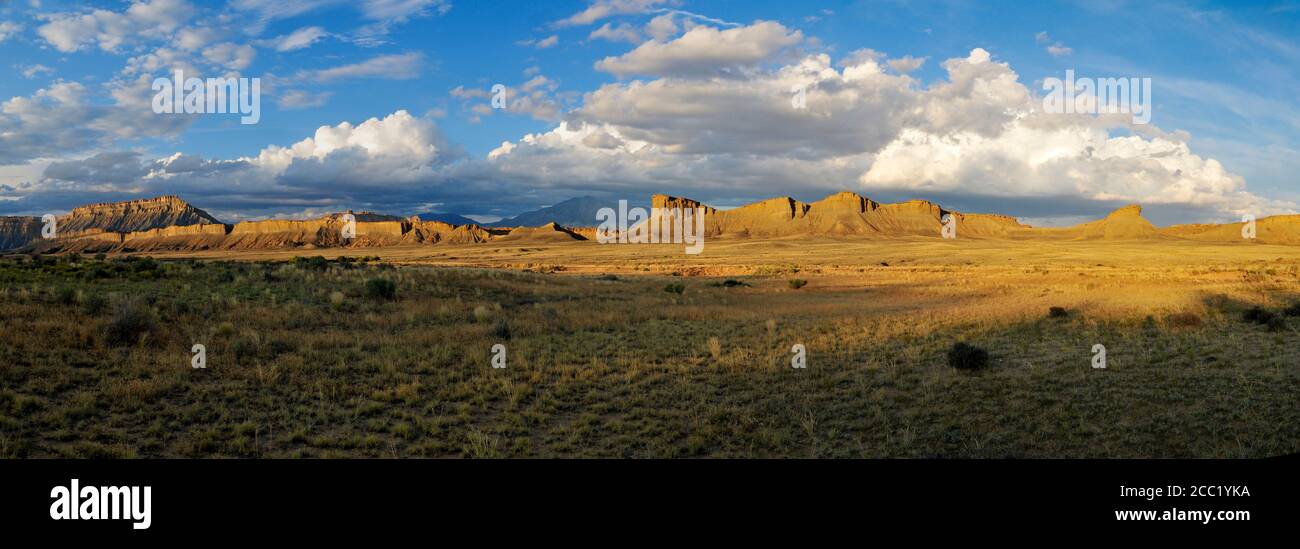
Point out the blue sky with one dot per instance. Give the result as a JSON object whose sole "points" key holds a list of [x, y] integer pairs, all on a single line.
{"points": [[656, 116]]}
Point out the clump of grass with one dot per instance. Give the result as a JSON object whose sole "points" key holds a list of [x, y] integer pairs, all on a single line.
{"points": [[675, 288], [730, 283], [964, 356], [609, 277], [1057, 312], [336, 299], [1292, 310], [381, 288], [482, 313], [715, 348], [796, 283], [131, 321]]}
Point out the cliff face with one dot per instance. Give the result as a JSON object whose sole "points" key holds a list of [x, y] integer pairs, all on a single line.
{"points": [[1278, 229], [1125, 223], [85, 230], [16, 232], [841, 214], [135, 215]]}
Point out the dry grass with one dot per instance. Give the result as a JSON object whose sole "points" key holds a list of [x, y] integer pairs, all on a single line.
{"points": [[302, 362]]}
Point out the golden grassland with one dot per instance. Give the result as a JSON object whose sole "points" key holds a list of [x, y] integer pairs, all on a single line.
{"points": [[318, 359]]}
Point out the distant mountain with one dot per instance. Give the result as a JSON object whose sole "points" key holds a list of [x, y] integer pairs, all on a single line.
{"points": [[574, 212], [169, 224], [448, 218]]}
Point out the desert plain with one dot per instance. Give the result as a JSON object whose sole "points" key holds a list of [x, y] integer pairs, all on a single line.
{"points": [[627, 350]]}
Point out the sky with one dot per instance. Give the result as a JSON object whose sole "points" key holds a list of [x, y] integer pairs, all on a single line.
{"points": [[387, 105]]}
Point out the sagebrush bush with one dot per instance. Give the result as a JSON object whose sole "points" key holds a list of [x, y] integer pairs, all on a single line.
{"points": [[796, 283], [501, 329], [1266, 318], [675, 288], [1057, 312], [131, 320], [1184, 320], [94, 304], [381, 288], [964, 356], [1257, 315]]}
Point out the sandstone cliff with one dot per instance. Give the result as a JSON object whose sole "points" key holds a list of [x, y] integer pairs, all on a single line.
{"points": [[134, 215], [841, 214]]}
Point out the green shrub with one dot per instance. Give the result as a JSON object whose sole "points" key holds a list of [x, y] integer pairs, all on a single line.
{"points": [[501, 329], [243, 348], [1276, 324], [1057, 312], [1266, 318], [381, 288], [675, 288], [964, 356], [796, 283], [131, 320], [316, 263], [94, 304], [66, 296]]}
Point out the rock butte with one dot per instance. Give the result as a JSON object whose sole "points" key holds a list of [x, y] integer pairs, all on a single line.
{"points": [[168, 223]]}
